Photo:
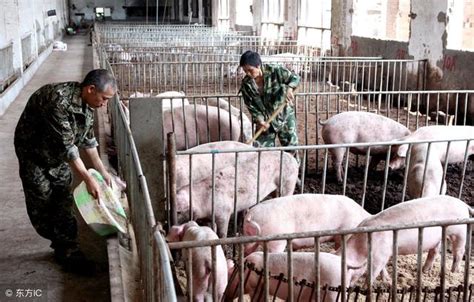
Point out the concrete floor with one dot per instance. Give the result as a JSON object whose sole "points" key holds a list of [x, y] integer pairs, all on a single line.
{"points": [[25, 257]]}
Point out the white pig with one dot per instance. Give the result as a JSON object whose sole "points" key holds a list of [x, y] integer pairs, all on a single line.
{"points": [[201, 260], [246, 124], [174, 98], [433, 175], [420, 210], [303, 268], [301, 213], [202, 163], [202, 125], [456, 150], [246, 190], [199, 124], [360, 127]]}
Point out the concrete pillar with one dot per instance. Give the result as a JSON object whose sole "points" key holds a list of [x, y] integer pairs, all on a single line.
{"points": [[291, 23], [190, 11], [215, 13], [201, 12], [180, 10], [145, 114], [232, 13], [257, 16], [341, 26], [428, 30]]}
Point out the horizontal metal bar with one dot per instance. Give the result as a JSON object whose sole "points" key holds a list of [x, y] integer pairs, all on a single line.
{"points": [[248, 239], [331, 146]]}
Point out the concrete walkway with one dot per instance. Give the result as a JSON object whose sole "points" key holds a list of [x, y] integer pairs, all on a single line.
{"points": [[26, 260]]}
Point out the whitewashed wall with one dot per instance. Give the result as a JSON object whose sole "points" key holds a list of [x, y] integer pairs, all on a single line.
{"points": [[20, 19]]}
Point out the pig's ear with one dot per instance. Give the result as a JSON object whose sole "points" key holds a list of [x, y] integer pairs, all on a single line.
{"points": [[176, 233], [402, 150]]}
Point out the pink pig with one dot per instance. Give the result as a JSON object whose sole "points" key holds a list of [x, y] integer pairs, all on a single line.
{"points": [[246, 191], [420, 210], [360, 127], [301, 213], [457, 149], [201, 260]]}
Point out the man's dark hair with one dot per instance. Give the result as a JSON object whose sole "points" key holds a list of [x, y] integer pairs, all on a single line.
{"points": [[251, 58], [100, 78]]}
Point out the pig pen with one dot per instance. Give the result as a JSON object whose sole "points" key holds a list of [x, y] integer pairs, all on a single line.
{"points": [[410, 108], [265, 48], [383, 187], [406, 290], [331, 82], [429, 287], [369, 197]]}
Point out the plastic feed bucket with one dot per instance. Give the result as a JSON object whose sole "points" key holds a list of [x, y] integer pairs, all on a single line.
{"points": [[104, 217]]}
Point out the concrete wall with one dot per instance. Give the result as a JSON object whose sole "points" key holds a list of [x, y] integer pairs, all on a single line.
{"points": [[86, 7], [449, 69], [18, 20]]}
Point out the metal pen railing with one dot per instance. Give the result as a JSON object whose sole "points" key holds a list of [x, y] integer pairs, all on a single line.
{"points": [[219, 77], [239, 283], [156, 277], [247, 169]]}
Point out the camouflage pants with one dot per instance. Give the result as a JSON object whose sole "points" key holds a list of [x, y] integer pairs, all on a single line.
{"points": [[49, 202], [287, 135]]}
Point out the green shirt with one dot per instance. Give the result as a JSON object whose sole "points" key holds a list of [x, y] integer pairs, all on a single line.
{"points": [[55, 122], [276, 80]]}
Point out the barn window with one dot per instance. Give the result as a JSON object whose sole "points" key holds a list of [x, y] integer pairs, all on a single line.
{"points": [[273, 19], [223, 15], [381, 19], [314, 23], [244, 14], [460, 26]]}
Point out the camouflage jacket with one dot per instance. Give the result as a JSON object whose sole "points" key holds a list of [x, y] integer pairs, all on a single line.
{"points": [[55, 122], [276, 80]]}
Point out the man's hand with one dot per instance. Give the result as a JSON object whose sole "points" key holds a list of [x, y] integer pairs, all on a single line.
{"points": [[262, 124], [92, 187], [107, 177], [290, 96]]}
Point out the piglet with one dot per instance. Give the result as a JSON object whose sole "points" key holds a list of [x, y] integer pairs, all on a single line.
{"points": [[201, 260]]}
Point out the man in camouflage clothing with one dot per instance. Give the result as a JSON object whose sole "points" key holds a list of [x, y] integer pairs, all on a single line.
{"points": [[264, 89], [57, 120]]}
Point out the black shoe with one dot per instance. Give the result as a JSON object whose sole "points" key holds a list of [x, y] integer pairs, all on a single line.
{"points": [[74, 261]]}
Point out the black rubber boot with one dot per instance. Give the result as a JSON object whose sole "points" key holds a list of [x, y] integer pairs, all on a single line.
{"points": [[74, 261]]}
